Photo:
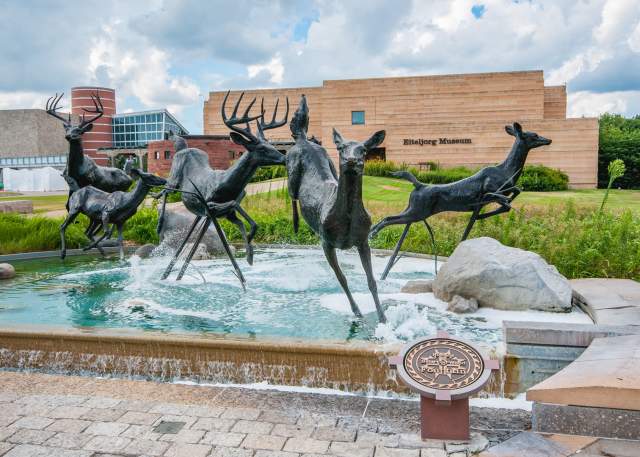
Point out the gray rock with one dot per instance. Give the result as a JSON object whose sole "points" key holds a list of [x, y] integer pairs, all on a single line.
{"points": [[176, 225], [7, 271], [201, 252], [502, 277], [462, 305], [418, 286], [145, 250]]}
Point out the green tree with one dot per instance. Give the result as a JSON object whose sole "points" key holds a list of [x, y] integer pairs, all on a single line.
{"points": [[619, 139]]}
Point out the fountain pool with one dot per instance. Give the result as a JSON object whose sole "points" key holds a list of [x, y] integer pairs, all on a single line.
{"points": [[290, 293]]}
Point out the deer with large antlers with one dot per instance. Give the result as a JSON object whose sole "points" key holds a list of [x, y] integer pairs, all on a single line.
{"points": [[209, 193], [81, 170], [331, 204]]}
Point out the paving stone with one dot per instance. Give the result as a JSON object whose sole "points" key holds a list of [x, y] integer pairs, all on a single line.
{"points": [[370, 439], [5, 447], [476, 444], [101, 403], [204, 411], [188, 450], [184, 436], [30, 450], [414, 441], [277, 417], [382, 451], [458, 454], [29, 409], [176, 409], [342, 449], [433, 453], [33, 422], [69, 425], [107, 443], [136, 405], [8, 397], [213, 424], [297, 431], [188, 420], [8, 420], [138, 418], [241, 413], [527, 444], [222, 451], [335, 434], [306, 445], [263, 453], [27, 436], [67, 412], [223, 439], [320, 420], [169, 428], [5, 432], [103, 414], [141, 432], [68, 440], [106, 428], [146, 447], [257, 427], [268, 442]]}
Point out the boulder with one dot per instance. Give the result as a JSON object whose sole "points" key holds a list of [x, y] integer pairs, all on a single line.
{"points": [[176, 225], [462, 305], [201, 252], [145, 250], [418, 286], [7, 271], [502, 277]]}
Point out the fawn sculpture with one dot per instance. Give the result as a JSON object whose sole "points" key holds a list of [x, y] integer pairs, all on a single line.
{"points": [[104, 208], [495, 184], [210, 193], [332, 205], [81, 170]]}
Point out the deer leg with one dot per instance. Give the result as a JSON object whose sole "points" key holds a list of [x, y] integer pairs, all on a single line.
{"points": [[392, 259], [90, 233], [252, 232], [504, 208], [238, 223], [330, 254], [403, 218], [192, 252], [174, 259], [365, 259], [120, 240], [63, 228], [227, 249], [472, 221]]}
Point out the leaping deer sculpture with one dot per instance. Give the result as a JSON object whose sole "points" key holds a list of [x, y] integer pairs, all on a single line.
{"points": [[496, 184], [81, 170], [222, 190], [332, 205]]}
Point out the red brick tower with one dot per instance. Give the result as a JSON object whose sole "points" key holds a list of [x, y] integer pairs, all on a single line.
{"points": [[101, 135]]}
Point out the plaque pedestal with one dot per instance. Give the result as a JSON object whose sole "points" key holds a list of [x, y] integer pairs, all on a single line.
{"points": [[444, 420]]}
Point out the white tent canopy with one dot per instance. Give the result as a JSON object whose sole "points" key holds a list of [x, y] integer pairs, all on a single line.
{"points": [[33, 179]]}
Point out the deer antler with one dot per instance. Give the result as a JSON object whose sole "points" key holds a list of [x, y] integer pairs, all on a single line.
{"points": [[52, 108], [273, 124], [233, 121], [98, 109]]}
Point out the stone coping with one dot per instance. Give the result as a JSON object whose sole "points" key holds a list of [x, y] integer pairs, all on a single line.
{"points": [[605, 375], [558, 334], [608, 301]]}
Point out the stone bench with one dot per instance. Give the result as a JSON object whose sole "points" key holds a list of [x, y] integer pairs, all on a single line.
{"points": [[16, 206], [597, 395]]}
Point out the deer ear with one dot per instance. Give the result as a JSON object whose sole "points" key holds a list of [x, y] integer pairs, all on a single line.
{"points": [[518, 128], [239, 139], [87, 128], [375, 140], [509, 130], [337, 138]]}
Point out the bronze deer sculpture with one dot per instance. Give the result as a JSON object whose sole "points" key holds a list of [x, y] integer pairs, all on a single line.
{"points": [[222, 190], [495, 184], [81, 170], [104, 208], [332, 205]]}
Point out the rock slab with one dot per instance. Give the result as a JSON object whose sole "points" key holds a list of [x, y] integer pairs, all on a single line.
{"points": [[502, 277]]}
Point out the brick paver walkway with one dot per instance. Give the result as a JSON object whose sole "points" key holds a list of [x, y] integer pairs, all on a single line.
{"points": [[48, 415]]}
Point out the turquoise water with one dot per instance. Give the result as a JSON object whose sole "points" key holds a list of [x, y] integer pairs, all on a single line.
{"points": [[290, 292]]}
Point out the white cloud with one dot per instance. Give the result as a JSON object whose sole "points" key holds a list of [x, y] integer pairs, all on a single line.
{"points": [[634, 39], [274, 68], [25, 100], [589, 104]]}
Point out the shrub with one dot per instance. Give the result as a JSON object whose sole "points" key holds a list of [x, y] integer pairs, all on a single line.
{"points": [[270, 172], [538, 178], [619, 139], [435, 175]]}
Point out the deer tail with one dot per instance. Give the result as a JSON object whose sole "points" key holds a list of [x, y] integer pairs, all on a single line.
{"points": [[409, 177]]}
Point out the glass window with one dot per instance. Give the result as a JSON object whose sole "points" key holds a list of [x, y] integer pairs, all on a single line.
{"points": [[156, 155], [357, 117], [167, 155]]}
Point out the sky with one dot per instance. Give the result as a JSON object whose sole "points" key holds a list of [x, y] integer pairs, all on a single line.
{"points": [[172, 53]]}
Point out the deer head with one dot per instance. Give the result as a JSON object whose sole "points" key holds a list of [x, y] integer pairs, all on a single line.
{"points": [[74, 132], [352, 153], [148, 179], [257, 146], [531, 140]]}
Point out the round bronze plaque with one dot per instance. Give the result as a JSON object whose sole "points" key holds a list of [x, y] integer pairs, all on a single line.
{"points": [[443, 364]]}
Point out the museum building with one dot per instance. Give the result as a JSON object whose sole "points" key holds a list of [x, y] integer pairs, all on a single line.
{"points": [[450, 120]]}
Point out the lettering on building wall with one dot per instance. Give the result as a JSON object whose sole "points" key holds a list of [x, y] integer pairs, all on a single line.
{"points": [[434, 142]]}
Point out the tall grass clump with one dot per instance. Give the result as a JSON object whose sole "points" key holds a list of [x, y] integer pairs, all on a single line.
{"points": [[19, 233]]}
